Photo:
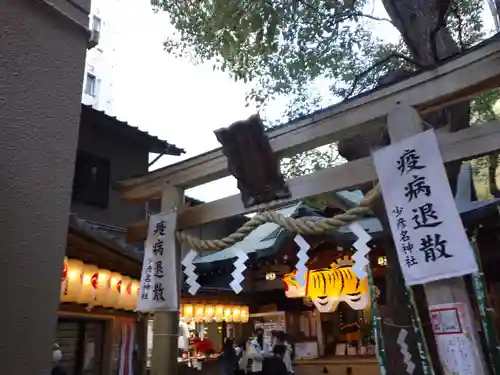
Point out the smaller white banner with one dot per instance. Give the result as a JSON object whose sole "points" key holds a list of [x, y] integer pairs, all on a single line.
{"points": [[453, 332], [159, 288], [425, 224]]}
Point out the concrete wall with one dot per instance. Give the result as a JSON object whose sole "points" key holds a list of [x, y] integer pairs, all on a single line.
{"points": [[41, 68], [126, 159]]}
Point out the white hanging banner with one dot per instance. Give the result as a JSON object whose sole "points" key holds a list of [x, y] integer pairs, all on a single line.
{"points": [[159, 289], [362, 250], [190, 272], [239, 268], [425, 224], [302, 260], [401, 341]]}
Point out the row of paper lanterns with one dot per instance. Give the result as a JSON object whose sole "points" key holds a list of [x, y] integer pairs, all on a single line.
{"points": [[87, 284], [208, 313]]}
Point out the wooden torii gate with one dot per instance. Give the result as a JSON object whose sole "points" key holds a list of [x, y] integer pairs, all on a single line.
{"points": [[456, 81]]}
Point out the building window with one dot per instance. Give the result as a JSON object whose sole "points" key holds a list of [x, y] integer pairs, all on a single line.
{"points": [[96, 29], [90, 84], [91, 181]]}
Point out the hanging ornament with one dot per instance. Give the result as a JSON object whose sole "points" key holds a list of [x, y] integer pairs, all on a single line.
{"points": [[410, 366], [189, 271], [301, 267], [362, 248], [239, 268]]}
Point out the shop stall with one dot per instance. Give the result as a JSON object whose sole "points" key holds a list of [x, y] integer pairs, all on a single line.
{"points": [[203, 327], [328, 319], [98, 330], [96, 325], [329, 322], [340, 322]]}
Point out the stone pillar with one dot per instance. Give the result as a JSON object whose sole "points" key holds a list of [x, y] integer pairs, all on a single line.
{"points": [[43, 45]]}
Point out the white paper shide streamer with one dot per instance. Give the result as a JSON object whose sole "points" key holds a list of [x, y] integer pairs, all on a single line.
{"points": [[410, 366], [239, 268], [189, 271], [303, 258], [362, 250]]}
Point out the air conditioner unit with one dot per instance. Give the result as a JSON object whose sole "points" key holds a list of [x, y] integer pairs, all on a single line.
{"points": [[94, 39]]}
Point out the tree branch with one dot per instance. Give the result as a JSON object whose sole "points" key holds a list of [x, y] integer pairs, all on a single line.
{"points": [[379, 63], [374, 18]]}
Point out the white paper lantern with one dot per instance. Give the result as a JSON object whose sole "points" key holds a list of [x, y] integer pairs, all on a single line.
{"points": [[124, 294], [87, 293], [72, 280], [101, 287], [113, 293]]}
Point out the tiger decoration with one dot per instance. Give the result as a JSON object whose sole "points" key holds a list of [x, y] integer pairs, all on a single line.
{"points": [[327, 287]]}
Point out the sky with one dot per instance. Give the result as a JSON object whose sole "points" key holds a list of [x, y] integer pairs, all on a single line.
{"points": [[177, 101]]}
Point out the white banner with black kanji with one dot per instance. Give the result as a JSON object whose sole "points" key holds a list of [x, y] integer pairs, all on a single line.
{"points": [[159, 287], [425, 223]]}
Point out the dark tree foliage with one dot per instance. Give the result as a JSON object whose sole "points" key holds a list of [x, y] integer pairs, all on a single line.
{"points": [[286, 47]]}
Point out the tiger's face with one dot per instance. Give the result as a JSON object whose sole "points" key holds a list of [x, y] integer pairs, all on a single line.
{"points": [[357, 302], [292, 287], [328, 288], [361, 298], [326, 304]]}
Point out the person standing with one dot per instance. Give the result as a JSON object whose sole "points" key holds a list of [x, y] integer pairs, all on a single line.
{"points": [[288, 355], [241, 352], [281, 339], [275, 364], [229, 359], [274, 340], [56, 358], [256, 352]]}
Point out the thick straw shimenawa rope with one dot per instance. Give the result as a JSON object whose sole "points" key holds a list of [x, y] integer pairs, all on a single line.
{"points": [[300, 226]]}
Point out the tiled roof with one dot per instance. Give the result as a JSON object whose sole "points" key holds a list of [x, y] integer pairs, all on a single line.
{"points": [[155, 144], [109, 236]]}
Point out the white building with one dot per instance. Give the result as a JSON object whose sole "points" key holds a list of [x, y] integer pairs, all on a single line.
{"points": [[100, 69], [120, 69]]}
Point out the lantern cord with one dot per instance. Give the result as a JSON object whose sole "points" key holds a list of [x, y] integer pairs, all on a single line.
{"points": [[308, 226]]}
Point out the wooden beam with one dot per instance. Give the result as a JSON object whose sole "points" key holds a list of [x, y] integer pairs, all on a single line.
{"points": [[465, 144], [456, 80]]}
